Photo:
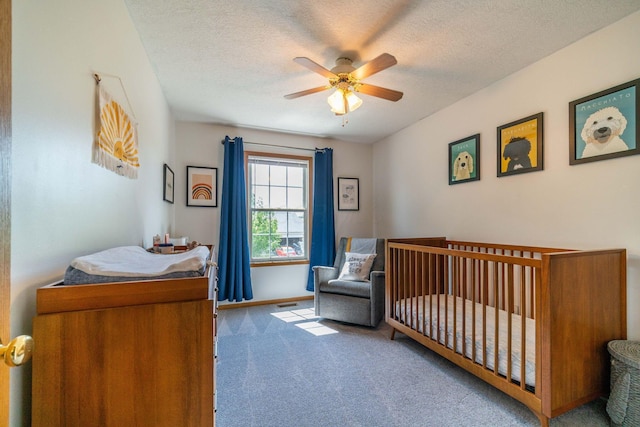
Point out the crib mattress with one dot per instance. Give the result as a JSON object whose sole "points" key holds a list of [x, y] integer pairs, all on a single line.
{"points": [[420, 310]]}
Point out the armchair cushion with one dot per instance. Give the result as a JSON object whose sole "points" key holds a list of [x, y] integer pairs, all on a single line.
{"points": [[356, 266], [352, 288]]}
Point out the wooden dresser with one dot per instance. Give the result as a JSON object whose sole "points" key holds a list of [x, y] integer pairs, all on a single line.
{"points": [[126, 354]]}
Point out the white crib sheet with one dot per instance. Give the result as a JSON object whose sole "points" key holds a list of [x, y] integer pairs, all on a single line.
{"points": [[446, 306]]}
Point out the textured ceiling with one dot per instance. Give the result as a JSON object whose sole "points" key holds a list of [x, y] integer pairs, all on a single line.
{"points": [[231, 62]]}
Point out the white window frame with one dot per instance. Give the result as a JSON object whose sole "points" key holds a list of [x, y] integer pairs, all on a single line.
{"points": [[252, 158]]}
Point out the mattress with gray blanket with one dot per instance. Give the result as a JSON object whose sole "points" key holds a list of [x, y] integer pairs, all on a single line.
{"points": [[134, 263]]}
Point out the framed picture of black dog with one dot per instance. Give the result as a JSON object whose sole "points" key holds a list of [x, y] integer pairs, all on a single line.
{"points": [[605, 125], [464, 160], [520, 146]]}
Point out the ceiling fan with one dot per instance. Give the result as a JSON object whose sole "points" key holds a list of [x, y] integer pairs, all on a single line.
{"points": [[347, 79]]}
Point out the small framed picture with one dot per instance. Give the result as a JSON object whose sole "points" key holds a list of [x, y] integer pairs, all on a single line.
{"points": [[168, 188], [348, 194], [202, 186], [605, 125], [520, 146], [464, 160]]}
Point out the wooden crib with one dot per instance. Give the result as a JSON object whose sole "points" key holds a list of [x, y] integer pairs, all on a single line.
{"points": [[533, 322]]}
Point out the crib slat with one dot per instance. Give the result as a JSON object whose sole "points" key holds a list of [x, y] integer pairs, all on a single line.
{"points": [[467, 281], [473, 294], [523, 333], [390, 279], [484, 315], [426, 311], [398, 281], [447, 280], [499, 287], [531, 307], [412, 289], [402, 285], [420, 290], [503, 287], [455, 291], [435, 318], [439, 279], [510, 310]]}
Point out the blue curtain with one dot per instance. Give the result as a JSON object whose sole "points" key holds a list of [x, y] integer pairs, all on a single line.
{"points": [[234, 268], [323, 233]]}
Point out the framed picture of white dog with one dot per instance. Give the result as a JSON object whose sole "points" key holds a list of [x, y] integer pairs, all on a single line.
{"points": [[464, 160], [520, 146], [605, 125]]}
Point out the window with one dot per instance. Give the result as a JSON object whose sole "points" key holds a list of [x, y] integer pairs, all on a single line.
{"points": [[279, 207]]}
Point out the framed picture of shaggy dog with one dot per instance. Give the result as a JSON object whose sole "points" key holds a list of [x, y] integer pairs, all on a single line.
{"points": [[464, 160], [605, 125], [520, 146]]}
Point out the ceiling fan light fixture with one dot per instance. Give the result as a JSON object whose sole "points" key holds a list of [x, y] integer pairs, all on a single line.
{"points": [[343, 101], [336, 102], [353, 101]]}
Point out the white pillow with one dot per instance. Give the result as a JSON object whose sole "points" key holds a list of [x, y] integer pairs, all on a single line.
{"points": [[356, 266]]}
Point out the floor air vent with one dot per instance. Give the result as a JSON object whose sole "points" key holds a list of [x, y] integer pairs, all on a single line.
{"points": [[287, 304]]}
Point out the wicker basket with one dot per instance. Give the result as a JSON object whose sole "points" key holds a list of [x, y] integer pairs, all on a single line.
{"points": [[624, 401]]}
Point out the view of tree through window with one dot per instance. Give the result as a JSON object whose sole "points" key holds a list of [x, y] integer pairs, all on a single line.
{"points": [[279, 203]]}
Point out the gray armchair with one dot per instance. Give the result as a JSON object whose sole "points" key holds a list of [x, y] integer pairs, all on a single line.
{"points": [[351, 301]]}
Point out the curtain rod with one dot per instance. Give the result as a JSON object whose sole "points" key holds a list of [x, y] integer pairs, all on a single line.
{"points": [[280, 146]]}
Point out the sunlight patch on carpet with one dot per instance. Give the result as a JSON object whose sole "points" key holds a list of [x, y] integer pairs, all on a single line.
{"points": [[288, 316], [301, 315], [295, 315], [316, 328]]}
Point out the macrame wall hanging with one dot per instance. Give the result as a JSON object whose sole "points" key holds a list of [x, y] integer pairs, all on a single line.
{"points": [[116, 142]]}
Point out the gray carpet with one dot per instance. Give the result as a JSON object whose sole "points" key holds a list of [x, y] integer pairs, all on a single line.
{"points": [[273, 373]]}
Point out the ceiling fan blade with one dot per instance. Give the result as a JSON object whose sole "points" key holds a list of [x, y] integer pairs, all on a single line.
{"points": [[380, 92], [307, 92], [380, 63], [314, 66]]}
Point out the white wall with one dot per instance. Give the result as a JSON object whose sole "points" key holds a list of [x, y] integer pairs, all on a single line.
{"points": [[198, 144], [591, 205], [62, 204]]}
